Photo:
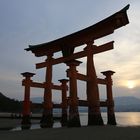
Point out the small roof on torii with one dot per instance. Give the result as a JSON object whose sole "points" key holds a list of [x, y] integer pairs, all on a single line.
{"points": [[98, 30]]}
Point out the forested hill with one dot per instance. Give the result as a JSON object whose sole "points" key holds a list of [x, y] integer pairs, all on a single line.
{"points": [[9, 105]]}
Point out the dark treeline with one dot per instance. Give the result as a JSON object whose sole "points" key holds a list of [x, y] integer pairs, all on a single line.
{"points": [[15, 106], [9, 105]]}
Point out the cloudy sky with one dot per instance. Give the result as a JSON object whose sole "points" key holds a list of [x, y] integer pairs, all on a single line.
{"points": [[24, 22]]}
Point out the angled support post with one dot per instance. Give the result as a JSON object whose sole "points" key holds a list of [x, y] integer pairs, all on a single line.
{"points": [[26, 103], [74, 120], [110, 101], [64, 101]]}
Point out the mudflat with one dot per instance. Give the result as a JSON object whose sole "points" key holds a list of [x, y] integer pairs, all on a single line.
{"points": [[82, 133]]}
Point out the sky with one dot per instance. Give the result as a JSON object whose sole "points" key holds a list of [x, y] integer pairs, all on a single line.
{"points": [[31, 22]]}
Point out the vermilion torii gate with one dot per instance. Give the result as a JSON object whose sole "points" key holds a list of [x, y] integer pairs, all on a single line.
{"points": [[66, 45]]}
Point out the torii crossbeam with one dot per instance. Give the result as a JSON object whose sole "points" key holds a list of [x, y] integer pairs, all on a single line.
{"points": [[96, 31]]}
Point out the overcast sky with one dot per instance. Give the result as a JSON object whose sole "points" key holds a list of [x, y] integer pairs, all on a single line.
{"points": [[24, 22]]}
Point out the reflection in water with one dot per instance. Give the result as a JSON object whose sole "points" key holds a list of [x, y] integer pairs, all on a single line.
{"points": [[37, 126], [128, 118], [122, 118], [134, 119]]}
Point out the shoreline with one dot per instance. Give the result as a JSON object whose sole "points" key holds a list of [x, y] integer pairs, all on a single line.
{"points": [[123, 120], [129, 131], [105, 132]]}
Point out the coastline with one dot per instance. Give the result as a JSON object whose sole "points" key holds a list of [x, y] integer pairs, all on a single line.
{"points": [[83, 133]]}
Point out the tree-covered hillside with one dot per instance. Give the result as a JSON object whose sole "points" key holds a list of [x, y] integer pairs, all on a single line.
{"points": [[9, 105]]}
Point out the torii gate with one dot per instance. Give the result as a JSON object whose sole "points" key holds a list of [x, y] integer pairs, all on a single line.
{"points": [[67, 45]]}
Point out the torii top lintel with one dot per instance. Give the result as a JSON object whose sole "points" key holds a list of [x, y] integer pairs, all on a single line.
{"points": [[98, 30]]}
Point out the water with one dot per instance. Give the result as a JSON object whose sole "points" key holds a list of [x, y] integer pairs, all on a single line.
{"points": [[128, 118], [122, 118], [37, 126]]}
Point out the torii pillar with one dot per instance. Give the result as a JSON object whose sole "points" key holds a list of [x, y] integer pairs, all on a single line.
{"points": [[110, 101], [74, 119], [64, 101], [47, 118], [26, 103], [94, 114]]}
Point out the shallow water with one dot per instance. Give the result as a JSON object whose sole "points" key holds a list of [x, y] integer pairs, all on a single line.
{"points": [[128, 118], [123, 119]]}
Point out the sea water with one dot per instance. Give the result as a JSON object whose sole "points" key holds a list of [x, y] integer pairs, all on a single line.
{"points": [[123, 119]]}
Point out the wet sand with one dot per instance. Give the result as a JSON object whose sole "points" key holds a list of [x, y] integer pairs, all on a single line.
{"points": [[6, 124], [83, 133]]}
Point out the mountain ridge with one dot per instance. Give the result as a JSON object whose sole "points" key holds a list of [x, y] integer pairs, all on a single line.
{"points": [[122, 103]]}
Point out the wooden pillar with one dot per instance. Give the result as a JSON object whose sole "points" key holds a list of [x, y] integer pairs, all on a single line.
{"points": [[74, 120], [94, 114], [110, 101], [64, 101], [47, 117], [26, 103]]}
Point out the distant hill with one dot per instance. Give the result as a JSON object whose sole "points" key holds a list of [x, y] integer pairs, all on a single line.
{"points": [[9, 105], [37, 99], [128, 100], [127, 104], [122, 104]]}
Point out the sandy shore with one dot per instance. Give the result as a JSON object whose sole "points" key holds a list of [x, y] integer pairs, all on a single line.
{"points": [[83, 133], [7, 124]]}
